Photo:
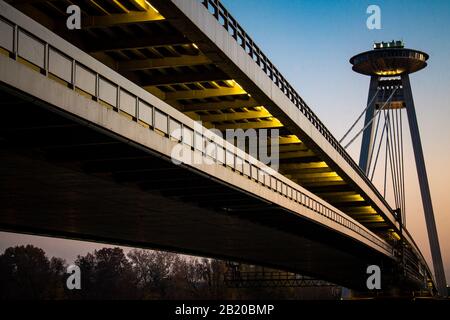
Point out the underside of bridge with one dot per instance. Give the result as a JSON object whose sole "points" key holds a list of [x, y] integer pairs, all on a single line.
{"points": [[63, 177], [153, 44]]}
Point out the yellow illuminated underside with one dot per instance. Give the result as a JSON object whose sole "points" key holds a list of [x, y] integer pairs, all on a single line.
{"points": [[390, 72], [355, 197], [367, 209], [396, 236], [149, 5]]}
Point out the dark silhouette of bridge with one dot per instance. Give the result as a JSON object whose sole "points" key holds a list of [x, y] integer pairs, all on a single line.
{"points": [[90, 119]]}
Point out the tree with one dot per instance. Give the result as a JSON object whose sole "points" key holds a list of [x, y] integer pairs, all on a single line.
{"points": [[212, 272], [153, 270], [187, 281], [26, 273], [106, 274]]}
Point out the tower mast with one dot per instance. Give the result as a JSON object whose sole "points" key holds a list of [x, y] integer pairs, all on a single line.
{"points": [[389, 65]]}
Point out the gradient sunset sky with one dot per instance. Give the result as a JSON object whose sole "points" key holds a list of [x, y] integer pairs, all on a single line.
{"points": [[311, 42]]}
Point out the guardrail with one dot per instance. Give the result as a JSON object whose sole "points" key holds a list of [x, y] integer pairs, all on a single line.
{"points": [[242, 279], [218, 10], [25, 40], [417, 252]]}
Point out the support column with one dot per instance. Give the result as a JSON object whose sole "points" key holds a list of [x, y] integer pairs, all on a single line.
{"points": [[367, 140], [424, 188]]}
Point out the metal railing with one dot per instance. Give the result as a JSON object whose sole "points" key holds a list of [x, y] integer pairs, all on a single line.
{"points": [[55, 58], [217, 9], [251, 279]]}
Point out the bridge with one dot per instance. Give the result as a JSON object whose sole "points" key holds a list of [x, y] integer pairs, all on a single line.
{"points": [[90, 119]]}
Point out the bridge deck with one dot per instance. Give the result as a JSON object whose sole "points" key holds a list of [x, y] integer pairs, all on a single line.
{"points": [[180, 52], [194, 65]]}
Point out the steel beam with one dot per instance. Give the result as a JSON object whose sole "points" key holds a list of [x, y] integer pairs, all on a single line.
{"points": [[137, 43], [296, 154], [158, 63], [261, 124], [300, 166], [231, 116], [202, 94], [234, 104], [121, 19], [323, 176], [184, 77], [292, 147]]}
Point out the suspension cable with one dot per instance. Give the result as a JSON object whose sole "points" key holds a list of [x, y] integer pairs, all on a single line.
{"points": [[385, 157], [403, 171], [371, 120], [399, 152], [391, 161], [372, 147], [395, 156], [400, 164], [378, 151], [394, 159], [373, 144], [359, 117]]}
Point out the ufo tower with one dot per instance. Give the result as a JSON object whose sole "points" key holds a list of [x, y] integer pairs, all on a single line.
{"points": [[389, 65]]}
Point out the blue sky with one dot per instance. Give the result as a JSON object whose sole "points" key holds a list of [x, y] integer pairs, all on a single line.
{"points": [[311, 42]]}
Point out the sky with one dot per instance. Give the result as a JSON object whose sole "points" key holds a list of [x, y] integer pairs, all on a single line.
{"points": [[311, 42]]}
